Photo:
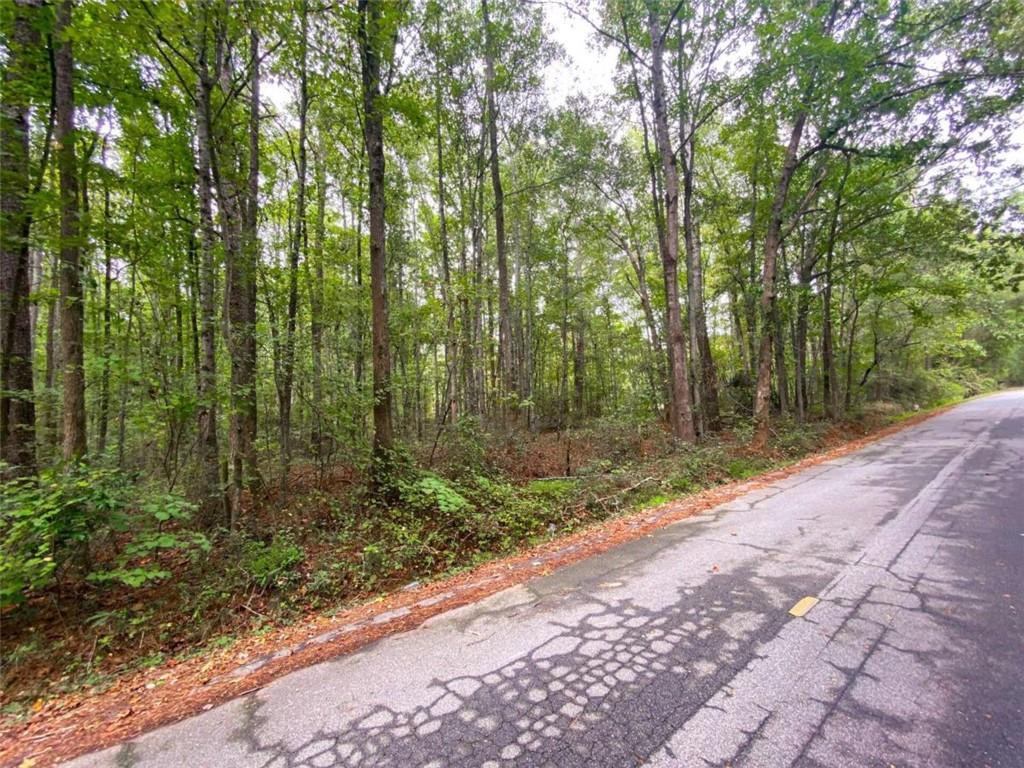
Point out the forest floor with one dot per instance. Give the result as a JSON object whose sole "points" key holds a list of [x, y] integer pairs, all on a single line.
{"points": [[103, 664]]}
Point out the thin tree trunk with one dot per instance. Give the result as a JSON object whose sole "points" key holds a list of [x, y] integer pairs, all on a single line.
{"points": [[829, 376], [749, 300], [507, 375], [359, 366], [211, 506], [72, 310], [316, 303], [448, 412], [579, 368], [122, 413], [298, 247], [803, 304], [247, 379], [373, 141], [848, 396], [52, 359], [681, 415], [700, 345], [563, 378], [779, 344], [108, 282], [830, 379], [772, 242]]}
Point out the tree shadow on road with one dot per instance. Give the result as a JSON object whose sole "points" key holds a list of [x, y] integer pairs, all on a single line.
{"points": [[607, 691]]}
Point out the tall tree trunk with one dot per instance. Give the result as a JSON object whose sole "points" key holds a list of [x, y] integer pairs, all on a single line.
{"points": [[51, 429], [700, 345], [507, 374], [829, 378], [848, 390], [772, 243], [247, 374], [370, 41], [803, 305], [298, 247], [659, 220], [211, 498], [579, 367], [17, 401], [749, 298], [238, 207], [103, 420], [316, 301], [680, 411], [779, 343], [72, 310], [448, 412]]}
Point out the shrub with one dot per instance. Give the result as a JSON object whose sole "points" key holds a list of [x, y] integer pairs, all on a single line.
{"points": [[464, 444], [742, 468], [268, 565], [54, 522], [429, 493]]}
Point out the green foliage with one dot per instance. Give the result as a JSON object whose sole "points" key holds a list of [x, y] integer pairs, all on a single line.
{"points": [[270, 564], [741, 468], [795, 439], [464, 446], [49, 525], [551, 490], [430, 493]]}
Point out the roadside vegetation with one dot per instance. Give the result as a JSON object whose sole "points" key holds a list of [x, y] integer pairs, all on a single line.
{"points": [[303, 302], [121, 581]]}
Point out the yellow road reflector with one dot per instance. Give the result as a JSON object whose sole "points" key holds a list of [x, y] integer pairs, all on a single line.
{"points": [[803, 606]]}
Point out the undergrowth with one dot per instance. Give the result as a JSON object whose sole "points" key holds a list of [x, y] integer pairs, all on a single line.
{"points": [[84, 609]]}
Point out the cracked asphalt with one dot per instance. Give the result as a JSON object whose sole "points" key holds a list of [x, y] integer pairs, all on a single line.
{"points": [[677, 649]]}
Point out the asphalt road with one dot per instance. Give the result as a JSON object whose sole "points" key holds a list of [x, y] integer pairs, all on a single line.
{"points": [[678, 649]]}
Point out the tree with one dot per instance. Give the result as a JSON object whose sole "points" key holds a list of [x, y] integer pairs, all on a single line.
{"points": [[371, 43], [681, 414], [208, 452], [504, 304], [72, 307], [297, 248], [17, 402]]}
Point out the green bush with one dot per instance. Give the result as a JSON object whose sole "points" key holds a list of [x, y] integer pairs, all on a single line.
{"points": [[430, 493], [465, 444], [269, 565], [552, 490], [59, 520], [742, 468]]}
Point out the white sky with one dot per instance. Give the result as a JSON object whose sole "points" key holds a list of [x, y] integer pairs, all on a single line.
{"points": [[588, 66]]}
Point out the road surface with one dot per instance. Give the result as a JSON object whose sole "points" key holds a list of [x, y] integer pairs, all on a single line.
{"points": [[679, 648]]}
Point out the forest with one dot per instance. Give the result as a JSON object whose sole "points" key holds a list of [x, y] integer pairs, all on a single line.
{"points": [[305, 300]]}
